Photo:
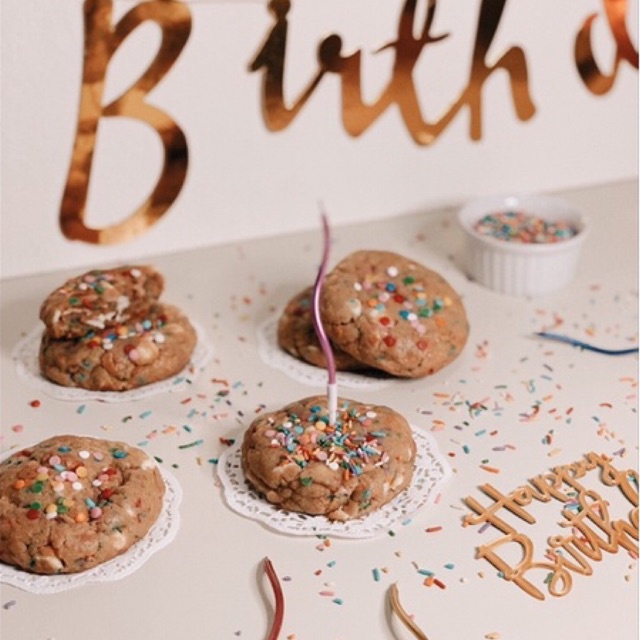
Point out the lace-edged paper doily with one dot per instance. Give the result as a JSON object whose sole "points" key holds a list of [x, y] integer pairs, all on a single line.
{"points": [[273, 355], [160, 535], [25, 355], [431, 472]]}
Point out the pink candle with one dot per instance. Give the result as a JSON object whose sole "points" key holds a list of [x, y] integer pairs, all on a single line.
{"points": [[332, 389]]}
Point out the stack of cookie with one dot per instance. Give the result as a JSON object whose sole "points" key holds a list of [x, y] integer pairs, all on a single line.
{"points": [[106, 330], [381, 311]]}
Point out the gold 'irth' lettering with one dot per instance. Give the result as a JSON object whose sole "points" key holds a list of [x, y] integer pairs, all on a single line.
{"points": [[358, 115]]}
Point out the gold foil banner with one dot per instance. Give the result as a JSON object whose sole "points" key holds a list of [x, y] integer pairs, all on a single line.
{"points": [[597, 81], [102, 40], [357, 115]]}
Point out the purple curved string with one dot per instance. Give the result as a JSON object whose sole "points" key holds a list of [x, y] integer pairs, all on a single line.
{"points": [[317, 320]]}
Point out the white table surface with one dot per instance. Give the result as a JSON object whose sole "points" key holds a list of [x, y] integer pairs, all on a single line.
{"points": [[208, 583]]}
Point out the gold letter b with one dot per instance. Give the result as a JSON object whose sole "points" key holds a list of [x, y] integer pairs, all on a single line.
{"points": [[101, 42]]}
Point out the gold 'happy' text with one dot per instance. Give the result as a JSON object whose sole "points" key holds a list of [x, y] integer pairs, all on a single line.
{"points": [[585, 514]]}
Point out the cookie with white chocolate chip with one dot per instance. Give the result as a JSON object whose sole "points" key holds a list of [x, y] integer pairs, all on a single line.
{"points": [[297, 336], [100, 299], [71, 503], [128, 356], [393, 314], [299, 461]]}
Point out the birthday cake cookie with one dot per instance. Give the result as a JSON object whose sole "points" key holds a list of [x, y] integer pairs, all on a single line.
{"points": [[301, 462], [99, 300], [70, 503], [297, 336], [393, 314], [107, 331]]}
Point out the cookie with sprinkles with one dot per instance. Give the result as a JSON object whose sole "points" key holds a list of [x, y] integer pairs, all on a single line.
{"points": [[100, 299], [299, 461], [123, 357], [393, 314], [297, 336], [70, 503]]}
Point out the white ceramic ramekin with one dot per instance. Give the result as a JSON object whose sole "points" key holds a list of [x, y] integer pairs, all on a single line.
{"points": [[517, 268]]}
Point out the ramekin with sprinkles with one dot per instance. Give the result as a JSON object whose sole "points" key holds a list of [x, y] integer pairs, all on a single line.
{"points": [[522, 245]]}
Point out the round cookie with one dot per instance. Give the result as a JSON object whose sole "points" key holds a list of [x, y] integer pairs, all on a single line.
{"points": [[100, 299], [123, 357], [301, 463], [70, 503], [297, 335], [393, 314]]}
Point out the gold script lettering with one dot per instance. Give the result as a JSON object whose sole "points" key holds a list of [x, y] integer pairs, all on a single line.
{"points": [[516, 574], [101, 42], [596, 80], [585, 513], [357, 115]]}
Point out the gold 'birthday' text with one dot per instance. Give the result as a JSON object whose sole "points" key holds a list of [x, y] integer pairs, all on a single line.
{"points": [[592, 530]]}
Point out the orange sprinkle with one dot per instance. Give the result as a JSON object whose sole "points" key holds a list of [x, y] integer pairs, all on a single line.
{"points": [[19, 484], [486, 467]]}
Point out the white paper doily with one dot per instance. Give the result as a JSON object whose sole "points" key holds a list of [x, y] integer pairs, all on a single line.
{"points": [[273, 355], [431, 471], [160, 535], [25, 355]]}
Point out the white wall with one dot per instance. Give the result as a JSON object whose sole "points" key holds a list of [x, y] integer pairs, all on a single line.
{"points": [[245, 181]]}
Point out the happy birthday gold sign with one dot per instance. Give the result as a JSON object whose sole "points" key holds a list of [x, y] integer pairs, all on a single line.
{"points": [[103, 38], [592, 529]]}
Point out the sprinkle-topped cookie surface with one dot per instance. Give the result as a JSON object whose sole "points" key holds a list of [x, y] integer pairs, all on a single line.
{"points": [[123, 357], [393, 314], [302, 463], [297, 336], [70, 503], [100, 299], [107, 331]]}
